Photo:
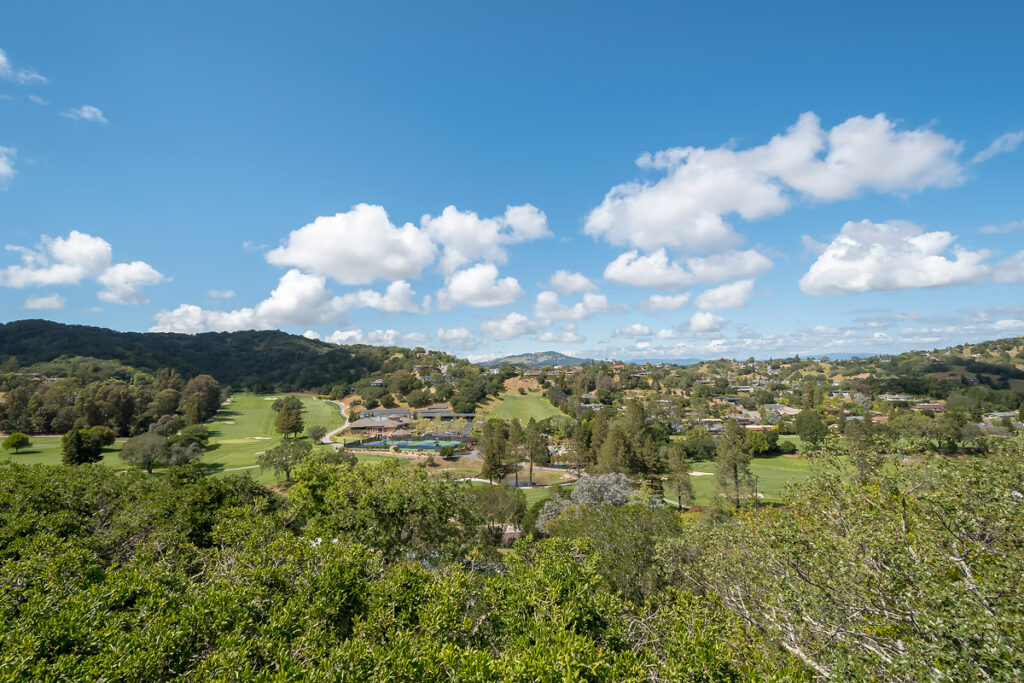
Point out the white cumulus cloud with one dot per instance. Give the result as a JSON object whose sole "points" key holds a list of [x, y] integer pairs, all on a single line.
{"points": [[357, 247], [397, 298], [509, 326], [550, 307], [686, 208], [728, 265], [456, 335], [58, 261], [731, 295], [651, 270], [867, 256], [666, 302], [77, 257], [376, 338], [567, 335], [467, 238], [299, 299], [479, 286], [703, 322], [123, 282], [631, 331], [564, 282]]}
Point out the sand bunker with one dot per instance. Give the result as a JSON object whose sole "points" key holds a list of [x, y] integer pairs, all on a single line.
{"points": [[702, 474], [261, 438]]}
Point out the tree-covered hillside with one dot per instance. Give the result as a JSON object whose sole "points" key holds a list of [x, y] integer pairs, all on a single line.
{"points": [[275, 360]]}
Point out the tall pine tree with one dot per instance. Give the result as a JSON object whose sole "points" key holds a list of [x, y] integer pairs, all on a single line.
{"points": [[732, 462], [492, 450], [679, 474], [514, 447], [536, 444]]}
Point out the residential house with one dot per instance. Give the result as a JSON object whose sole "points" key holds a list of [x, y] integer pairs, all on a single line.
{"points": [[781, 409], [378, 426]]}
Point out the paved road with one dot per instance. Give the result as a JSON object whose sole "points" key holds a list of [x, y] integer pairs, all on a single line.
{"points": [[327, 437]]}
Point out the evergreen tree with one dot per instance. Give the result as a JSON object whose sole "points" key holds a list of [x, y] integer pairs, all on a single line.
{"points": [[536, 444], [679, 473], [732, 462], [580, 443], [289, 422], [614, 451], [71, 447], [514, 447], [598, 434], [492, 450]]}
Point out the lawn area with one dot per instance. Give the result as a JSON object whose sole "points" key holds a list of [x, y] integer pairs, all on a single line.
{"points": [[532, 495], [772, 476], [45, 450], [522, 408], [245, 427], [239, 431]]}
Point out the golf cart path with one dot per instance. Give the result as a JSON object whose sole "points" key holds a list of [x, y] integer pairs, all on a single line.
{"points": [[327, 437]]}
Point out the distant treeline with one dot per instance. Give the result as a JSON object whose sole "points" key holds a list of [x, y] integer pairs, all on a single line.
{"points": [[125, 400]]}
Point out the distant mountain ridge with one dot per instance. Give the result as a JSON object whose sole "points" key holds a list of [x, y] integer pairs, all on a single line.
{"points": [[538, 359]]}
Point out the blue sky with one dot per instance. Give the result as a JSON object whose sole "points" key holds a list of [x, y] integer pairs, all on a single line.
{"points": [[731, 180]]}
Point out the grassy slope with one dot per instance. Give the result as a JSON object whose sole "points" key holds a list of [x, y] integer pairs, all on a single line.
{"points": [[249, 416], [513, 406]]}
